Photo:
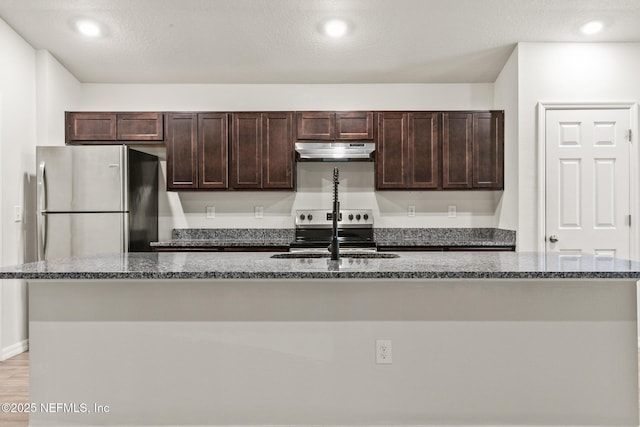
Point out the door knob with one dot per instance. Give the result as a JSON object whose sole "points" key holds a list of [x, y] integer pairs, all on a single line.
{"points": [[553, 238]]}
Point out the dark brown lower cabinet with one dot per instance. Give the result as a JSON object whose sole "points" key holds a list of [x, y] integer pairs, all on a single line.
{"points": [[407, 151], [262, 154]]}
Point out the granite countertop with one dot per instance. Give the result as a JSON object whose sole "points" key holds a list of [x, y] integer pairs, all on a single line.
{"points": [[384, 237], [227, 237], [220, 243], [445, 237], [430, 265]]}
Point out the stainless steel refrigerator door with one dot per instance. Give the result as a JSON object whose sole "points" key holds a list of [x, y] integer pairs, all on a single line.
{"points": [[80, 234], [81, 178]]}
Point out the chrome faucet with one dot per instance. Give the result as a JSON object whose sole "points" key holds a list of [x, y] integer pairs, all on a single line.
{"points": [[334, 247]]}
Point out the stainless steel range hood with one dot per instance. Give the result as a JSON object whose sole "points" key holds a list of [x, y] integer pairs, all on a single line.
{"points": [[334, 151]]}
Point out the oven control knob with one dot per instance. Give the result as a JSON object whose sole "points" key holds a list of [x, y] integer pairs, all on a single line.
{"points": [[302, 217], [366, 217], [309, 217], [358, 217], [350, 217]]}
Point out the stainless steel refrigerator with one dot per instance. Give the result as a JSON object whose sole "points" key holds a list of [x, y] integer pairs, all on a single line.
{"points": [[95, 200]]}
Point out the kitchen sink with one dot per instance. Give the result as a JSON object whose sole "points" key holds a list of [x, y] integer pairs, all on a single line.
{"points": [[294, 255]]}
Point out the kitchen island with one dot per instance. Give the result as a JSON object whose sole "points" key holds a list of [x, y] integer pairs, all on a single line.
{"points": [[246, 339]]}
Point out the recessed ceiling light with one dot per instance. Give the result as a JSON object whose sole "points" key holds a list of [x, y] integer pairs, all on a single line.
{"points": [[335, 28], [592, 27], [88, 28]]}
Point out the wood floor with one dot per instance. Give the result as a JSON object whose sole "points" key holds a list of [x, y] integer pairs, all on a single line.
{"points": [[14, 388]]}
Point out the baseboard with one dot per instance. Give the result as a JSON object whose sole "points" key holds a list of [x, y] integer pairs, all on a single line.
{"points": [[14, 350]]}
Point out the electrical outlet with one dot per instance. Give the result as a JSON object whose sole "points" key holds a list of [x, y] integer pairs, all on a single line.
{"points": [[411, 210], [452, 211], [259, 212], [17, 213], [211, 212], [384, 353]]}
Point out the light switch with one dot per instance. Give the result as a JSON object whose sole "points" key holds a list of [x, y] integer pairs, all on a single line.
{"points": [[17, 213]]}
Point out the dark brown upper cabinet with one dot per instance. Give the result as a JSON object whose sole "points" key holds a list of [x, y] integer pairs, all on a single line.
{"points": [[111, 128], [197, 146], [488, 150], [213, 146], [139, 127], [356, 125], [407, 150], [451, 150], [473, 150], [278, 155], [457, 139], [262, 154], [182, 151], [332, 125], [90, 127]]}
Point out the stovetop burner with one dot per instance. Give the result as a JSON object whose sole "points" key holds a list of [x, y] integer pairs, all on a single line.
{"points": [[313, 230]]}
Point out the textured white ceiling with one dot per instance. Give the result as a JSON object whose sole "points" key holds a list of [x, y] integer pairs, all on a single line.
{"points": [[278, 41]]}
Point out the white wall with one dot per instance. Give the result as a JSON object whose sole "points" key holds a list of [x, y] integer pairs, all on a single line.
{"points": [[564, 72], [265, 97], [187, 209], [18, 89], [506, 98], [57, 91], [35, 91]]}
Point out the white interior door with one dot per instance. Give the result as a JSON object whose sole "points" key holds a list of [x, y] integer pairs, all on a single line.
{"points": [[588, 156]]}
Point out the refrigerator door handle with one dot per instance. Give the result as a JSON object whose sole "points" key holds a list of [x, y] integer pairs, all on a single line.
{"points": [[42, 204], [125, 232]]}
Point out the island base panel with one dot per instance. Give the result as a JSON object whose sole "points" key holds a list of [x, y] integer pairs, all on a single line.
{"points": [[235, 352]]}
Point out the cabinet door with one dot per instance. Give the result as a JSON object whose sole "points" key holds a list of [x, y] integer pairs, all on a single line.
{"points": [[182, 159], [246, 151], [456, 150], [488, 150], [139, 126], [213, 143], [316, 125], [277, 151], [354, 125], [391, 151], [90, 127], [423, 151]]}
